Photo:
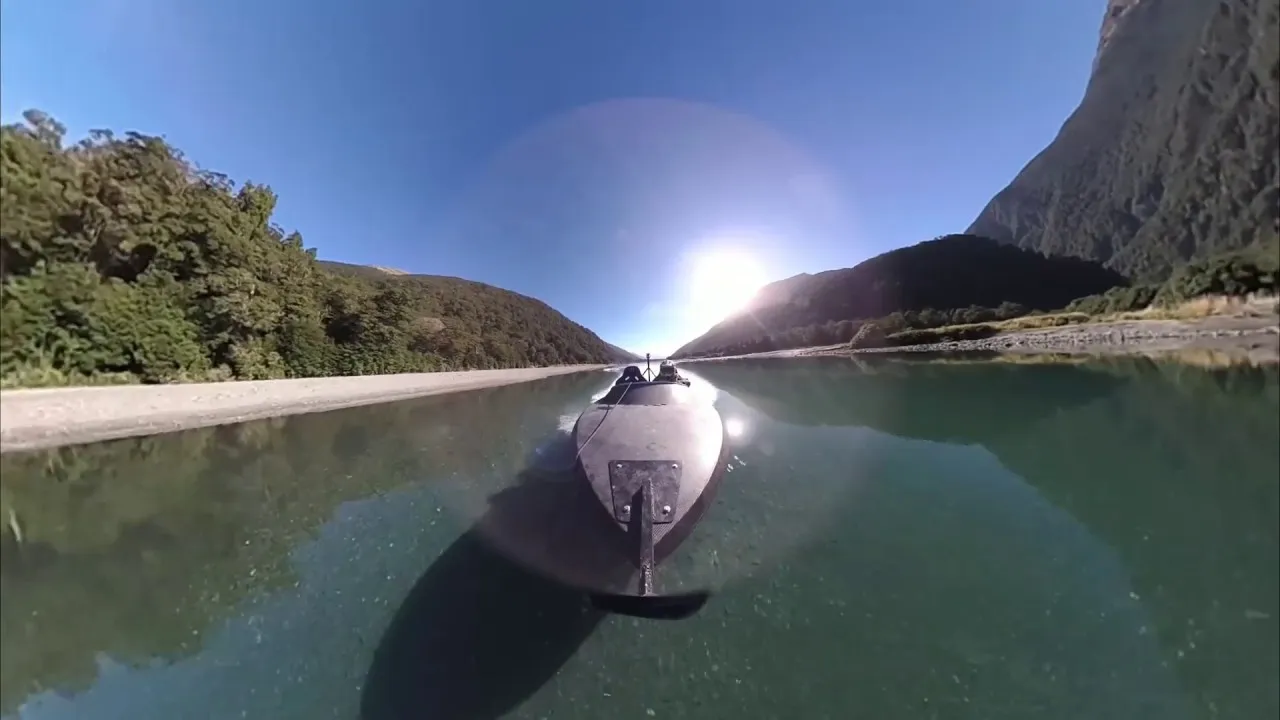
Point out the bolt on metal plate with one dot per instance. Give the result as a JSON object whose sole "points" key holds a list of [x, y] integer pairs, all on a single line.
{"points": [[627, 476]]}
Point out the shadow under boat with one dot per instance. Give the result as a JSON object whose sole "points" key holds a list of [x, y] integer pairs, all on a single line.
{"points": [[484, 627], [507, 604], [511, 600]]}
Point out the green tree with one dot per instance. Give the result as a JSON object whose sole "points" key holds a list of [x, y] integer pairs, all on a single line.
{"points": [[120, 258]]}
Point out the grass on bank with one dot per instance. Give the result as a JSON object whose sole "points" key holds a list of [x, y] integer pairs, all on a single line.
{"points": [[46, 374], [47, 377], [1203, 358], [1255, 305]]}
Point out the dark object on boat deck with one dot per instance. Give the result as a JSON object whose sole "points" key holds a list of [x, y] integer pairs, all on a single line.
{"points": [[653, 453], [667, 373]]}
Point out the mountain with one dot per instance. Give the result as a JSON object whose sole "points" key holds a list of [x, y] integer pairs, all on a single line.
{"points": [[123, 261], [529, 312], [623, 354], [1173, 152], [951, 272], [522, 323], [1172, 156]]}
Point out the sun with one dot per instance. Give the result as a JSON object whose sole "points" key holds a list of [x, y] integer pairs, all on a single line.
{"points": [[723, 281]]}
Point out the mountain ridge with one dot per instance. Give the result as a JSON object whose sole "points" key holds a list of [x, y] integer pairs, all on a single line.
{"points": [[1170, 159], [949, 272], [380, 273], [1171, 154]]}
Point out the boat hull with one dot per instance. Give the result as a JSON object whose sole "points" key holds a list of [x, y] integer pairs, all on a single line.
{"points": [[670, 456]]}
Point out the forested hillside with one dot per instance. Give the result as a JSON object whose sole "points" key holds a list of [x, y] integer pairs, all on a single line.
{"points": [[122, 260], [1173, 153], [960, 278]]}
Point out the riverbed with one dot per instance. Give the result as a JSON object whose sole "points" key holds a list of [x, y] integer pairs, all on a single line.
{"points": [[894, 540]]}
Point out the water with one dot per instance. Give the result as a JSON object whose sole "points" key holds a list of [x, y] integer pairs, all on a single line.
{"points": [[895, 540]]}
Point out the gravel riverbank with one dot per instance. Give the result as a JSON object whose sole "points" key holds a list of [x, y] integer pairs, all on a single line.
{"points": [[31, 419], [1256, 338], [1244, 334]]}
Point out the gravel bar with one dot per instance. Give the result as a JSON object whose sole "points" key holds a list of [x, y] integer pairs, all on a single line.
{"points": [[1253, 337], [41, 418]]}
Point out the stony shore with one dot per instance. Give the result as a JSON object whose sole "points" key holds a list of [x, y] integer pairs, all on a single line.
{"points": [[1256, 338], [31, 419]]}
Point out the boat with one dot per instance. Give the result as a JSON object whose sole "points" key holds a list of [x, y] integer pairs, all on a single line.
{"points": [[653, 452]]}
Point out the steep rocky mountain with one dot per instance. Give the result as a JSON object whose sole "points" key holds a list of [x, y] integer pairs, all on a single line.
{"points": [[1172, 153], [955, 271]]}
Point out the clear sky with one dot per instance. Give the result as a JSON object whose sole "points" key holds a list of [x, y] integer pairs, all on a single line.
{"points": [[640, 166]]}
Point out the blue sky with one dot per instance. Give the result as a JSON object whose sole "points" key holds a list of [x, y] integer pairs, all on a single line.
{"points": [[637, 165]]}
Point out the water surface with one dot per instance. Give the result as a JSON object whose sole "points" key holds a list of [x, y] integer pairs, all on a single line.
{"points": [[894, 540]]}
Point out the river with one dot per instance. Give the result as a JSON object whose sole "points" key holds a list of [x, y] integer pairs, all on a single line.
{"points": [[894, 540]]}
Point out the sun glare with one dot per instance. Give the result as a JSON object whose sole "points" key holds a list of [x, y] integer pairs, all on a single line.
{"points": [[723, 281]]}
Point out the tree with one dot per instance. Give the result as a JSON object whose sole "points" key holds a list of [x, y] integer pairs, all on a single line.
{"points": [[120, 258]]}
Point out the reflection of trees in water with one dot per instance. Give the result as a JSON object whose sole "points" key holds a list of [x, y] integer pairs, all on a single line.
{"points": [[135, 547], [1178, 472], [959, 403], [1173, 466]]}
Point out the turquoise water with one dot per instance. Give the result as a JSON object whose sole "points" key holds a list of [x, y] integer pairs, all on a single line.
{"points": [[893, 540]]}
